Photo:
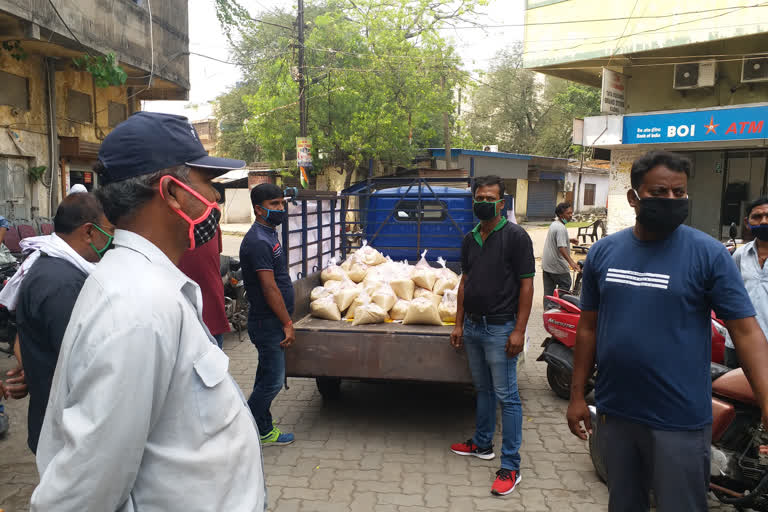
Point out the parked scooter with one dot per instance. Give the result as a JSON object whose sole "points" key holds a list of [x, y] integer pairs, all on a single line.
{"points": [[739, 450], [731, 244], [561, 321], [235, 300]]}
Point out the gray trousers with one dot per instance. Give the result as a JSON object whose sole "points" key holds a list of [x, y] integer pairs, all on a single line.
{"points": [[562, 281], [638, 458]]}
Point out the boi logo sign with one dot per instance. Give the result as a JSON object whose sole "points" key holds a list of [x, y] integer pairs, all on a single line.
{"points": [[697, 126]]}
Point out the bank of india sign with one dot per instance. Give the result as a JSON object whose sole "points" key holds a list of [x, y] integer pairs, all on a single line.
{"points": [[697, 126]]}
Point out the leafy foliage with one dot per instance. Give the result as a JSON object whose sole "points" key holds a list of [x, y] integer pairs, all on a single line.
{"points": [[36, 173], [379, 76], [15, 50], [105, 69], [231, 112], [522, 114]]}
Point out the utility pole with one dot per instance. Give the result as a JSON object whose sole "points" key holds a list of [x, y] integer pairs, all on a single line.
{"points": [[302, 75], [447, 132]]}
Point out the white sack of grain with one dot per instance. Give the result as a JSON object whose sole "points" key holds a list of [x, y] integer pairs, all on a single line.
{"points": [[325, 308], [369, 314], [399, 310], [422, 311]]}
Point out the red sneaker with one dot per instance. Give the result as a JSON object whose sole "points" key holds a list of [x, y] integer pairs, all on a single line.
{"points": [[506, 481], [470, 448]]}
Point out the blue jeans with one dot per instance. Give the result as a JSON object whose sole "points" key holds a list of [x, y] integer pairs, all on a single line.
{"points": [[219, 339], [495, 378], [266, 334]]}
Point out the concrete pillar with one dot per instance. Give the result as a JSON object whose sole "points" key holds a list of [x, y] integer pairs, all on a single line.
{"points": [[521, 200], [620, 214]]}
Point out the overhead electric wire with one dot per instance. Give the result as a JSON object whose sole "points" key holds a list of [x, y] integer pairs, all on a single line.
{"points": [[151, 45], [271, 24], [626, 26], [648, 31], [582, 38], [67, 27], [428, 58], [595, 20]]}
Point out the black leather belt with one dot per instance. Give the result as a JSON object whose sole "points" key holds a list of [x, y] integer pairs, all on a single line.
{"points": [[491, 319]]}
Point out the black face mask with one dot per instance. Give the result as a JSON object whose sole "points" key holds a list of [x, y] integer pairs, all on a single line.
{"points": [[274, 217], [760, 231], [661, 214], [485, 210]]}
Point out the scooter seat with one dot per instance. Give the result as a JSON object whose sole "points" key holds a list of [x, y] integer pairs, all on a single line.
{"points": [[717, 370], [572, 299]]}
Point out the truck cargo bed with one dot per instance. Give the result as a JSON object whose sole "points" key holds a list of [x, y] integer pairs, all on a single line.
{"points": [[333, 350], [308, 323]]}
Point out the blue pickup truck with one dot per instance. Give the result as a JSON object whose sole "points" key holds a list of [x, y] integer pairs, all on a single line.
{"points": [[401, 217], [402, 221]]}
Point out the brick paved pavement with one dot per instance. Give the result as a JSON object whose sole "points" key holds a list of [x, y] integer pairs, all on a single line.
{"points": [[384, 448]]}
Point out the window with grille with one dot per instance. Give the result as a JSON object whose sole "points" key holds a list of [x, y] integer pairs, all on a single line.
{"points": [[589, 194], [116, 113], [14, 91], [79, 106], [202, 129]]}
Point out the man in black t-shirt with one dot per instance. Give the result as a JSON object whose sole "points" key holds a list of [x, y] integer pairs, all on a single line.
{"points": [[494, 303], [49, 291], [270, 296]]}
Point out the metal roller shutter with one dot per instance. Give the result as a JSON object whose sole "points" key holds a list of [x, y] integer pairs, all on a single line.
{"points": [[541, 199]]}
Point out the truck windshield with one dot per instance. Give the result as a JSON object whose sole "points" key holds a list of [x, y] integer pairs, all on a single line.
{"points": [[431, 211]]}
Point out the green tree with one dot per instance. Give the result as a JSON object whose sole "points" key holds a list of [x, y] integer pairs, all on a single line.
{"points": [[566, 100], [513, 108], [379, 76], [231, 112]]}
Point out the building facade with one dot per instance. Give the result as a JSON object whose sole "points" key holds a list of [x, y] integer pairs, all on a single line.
{"points": [[534, 184], [690, 77], [208, 131], [53, 115], [587, 185]]}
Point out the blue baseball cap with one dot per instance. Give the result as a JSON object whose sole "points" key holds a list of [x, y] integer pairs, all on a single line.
{"points": [[148, 142]]}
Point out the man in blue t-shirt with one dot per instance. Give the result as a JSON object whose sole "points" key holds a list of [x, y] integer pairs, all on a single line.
{"points": [[646, 298], [270, 296]]}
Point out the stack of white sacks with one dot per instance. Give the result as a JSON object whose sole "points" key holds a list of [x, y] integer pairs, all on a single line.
{"points": [[370, 289]]}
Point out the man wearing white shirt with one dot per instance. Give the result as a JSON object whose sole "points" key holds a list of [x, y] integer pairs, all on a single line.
{"points": [[750, 259], [143, 414]]}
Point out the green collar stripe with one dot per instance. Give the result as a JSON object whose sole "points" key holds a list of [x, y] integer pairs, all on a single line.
{"points": [[478, 236]]}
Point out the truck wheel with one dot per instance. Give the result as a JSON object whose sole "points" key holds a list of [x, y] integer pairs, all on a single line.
{"points": [[329, 387], [560, 381]]}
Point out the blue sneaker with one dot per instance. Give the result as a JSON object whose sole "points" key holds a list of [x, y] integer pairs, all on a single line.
{"points": [[5, 424], [276, 438]]}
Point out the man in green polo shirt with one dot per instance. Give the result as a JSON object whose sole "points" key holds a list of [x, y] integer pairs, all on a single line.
{"points": [[495, 297]]}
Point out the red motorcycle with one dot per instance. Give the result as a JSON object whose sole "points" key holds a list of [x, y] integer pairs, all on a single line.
{"points": [[561, 320], [739, 450]]}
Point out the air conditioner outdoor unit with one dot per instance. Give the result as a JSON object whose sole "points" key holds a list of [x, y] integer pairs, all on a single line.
{"points": [[694, 75], [754, 69], [494, 148]]}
